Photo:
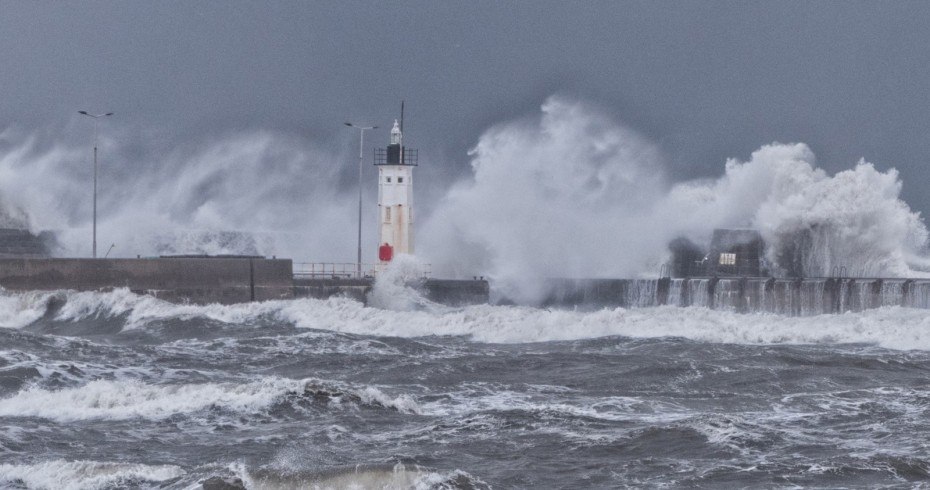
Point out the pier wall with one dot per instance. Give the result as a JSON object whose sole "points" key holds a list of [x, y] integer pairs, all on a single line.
{"points": [[322, 288], [195, 280], [228, 280], [793, 297], [203, 280], [457, 292], [449, 292]]}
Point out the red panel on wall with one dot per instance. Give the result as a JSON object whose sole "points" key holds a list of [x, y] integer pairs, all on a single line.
{"points": [[385, 253]]}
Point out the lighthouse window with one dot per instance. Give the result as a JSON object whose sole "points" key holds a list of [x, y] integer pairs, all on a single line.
{"points": [[387, 215], [400, 180], [388, 180]]}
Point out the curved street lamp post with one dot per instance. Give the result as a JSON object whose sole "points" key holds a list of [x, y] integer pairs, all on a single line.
{"points": [[95, 116], [361, 143]]}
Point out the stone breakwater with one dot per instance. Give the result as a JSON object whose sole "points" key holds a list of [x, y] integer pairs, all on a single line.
{"points": [[793, 297], [214, 279]]}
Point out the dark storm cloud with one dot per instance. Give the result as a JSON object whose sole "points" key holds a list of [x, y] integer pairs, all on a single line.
{"points": [[706, 81]]}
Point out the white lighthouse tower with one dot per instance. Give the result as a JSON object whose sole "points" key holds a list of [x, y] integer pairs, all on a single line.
{"points": [[395, 196]]}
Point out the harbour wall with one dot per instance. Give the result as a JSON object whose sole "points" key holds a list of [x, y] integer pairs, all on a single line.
{"points": [[793, 297], [201, 280], [228, 280], [449, 292]]}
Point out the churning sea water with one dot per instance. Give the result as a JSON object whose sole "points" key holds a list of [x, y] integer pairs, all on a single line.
{"points": [[113, 390]]}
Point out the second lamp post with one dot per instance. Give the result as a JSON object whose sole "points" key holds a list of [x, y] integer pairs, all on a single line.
{"points": [[95, 116]]}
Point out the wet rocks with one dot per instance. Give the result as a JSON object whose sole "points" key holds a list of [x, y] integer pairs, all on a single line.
{"points": [[220, 483]]}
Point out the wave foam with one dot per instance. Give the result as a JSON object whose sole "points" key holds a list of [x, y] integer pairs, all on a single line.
{"points": [[84, 475], [142, 309], [395, 287], [383, 476], [117, 400], [367, 395], [20, 309], [894, 327], [126, 399]]}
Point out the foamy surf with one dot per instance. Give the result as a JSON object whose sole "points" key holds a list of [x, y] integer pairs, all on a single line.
{"points": [[129, 399], [488, 390], [85, 475], [117, 400], [370, 476], [20, 309], [889, 327], [395, 288], [892, 327]]}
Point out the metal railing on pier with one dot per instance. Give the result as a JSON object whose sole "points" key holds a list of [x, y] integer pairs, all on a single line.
{"points": [[332, 270], [346, 270]]}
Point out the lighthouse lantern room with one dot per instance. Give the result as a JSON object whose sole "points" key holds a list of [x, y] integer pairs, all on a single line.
{"points": [[395, 196]]}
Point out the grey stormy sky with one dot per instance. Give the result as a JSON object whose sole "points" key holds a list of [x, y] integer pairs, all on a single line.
{"points": [[704, 80]]}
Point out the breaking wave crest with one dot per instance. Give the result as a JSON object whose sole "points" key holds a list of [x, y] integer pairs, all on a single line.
{"points": [[890, 327], [894, 327], [396, 287], [127, 399], [340, 393], [19, 309], [382, 476], [84, 475]]}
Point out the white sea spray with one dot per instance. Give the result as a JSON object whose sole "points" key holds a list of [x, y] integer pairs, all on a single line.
{"points": [[576, 194]]}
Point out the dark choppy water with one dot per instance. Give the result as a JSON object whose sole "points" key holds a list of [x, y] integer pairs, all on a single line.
{"points": [[117, 391]]}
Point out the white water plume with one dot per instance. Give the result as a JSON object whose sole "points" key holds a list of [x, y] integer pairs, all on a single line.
{"points": [[396, 287], [554, 197], [575, 194], [247, 193]]}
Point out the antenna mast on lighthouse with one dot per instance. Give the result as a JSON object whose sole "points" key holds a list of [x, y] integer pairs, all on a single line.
{"points": [[395, 194], [402, 130]]}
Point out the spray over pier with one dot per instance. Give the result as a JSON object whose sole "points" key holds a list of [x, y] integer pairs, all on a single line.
{"points": [[26, 262], [605, 237], [734, 275]]}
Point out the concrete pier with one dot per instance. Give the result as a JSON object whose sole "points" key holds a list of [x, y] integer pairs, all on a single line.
{"points": [[793, 297], [322, 288], [203, 280], [449, 292], [238, 279]]}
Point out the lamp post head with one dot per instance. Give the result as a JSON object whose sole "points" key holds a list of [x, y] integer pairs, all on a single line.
{"points": [[363, 128], [85, 113]]}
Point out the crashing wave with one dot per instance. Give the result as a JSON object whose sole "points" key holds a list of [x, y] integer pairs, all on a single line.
{"points": [[85, 475]]}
